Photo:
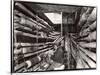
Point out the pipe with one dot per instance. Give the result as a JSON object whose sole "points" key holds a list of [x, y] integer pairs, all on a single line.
{"points": [[31, 24], [88, 45], [90, 37], [86, 59], [26, 49], [19, 66], [84, 17], [28, 63], [33, 61], [27, 18], [38, 52], [34, 36], [81, 63], [31, 14], [92, 16], [89, 29], [89, 53]]}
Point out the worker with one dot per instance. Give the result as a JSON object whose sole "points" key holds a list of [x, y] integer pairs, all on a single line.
{"points": [[57, 58]]}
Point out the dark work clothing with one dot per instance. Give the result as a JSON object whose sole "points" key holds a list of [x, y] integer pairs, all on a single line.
{"points": [[58, 55]]}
